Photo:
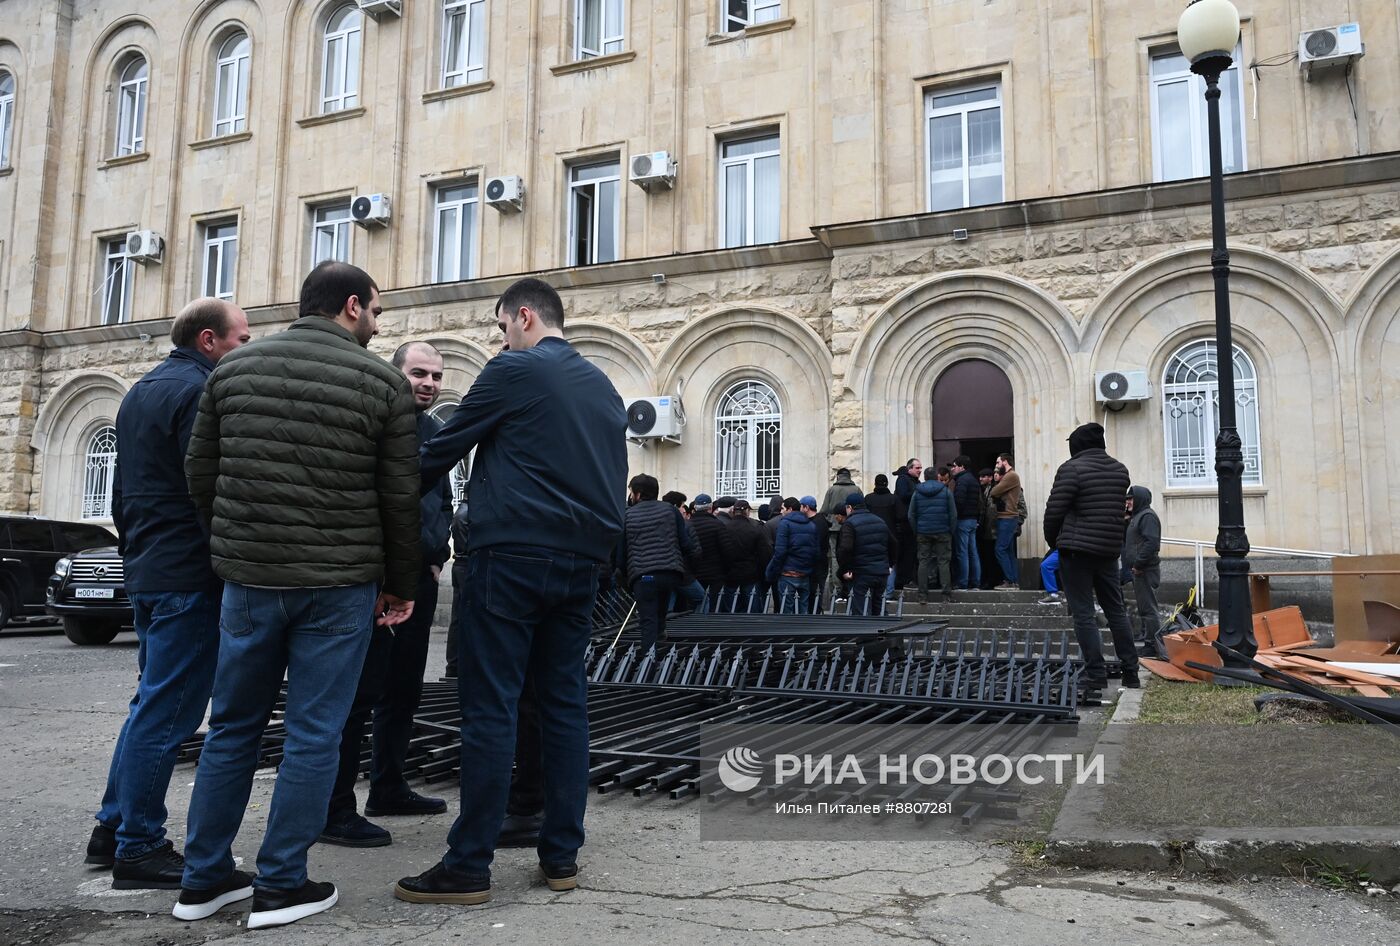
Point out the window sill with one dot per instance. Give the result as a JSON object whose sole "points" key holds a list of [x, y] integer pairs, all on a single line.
{"points": [[341, 115], [123, 160], [220, 141], [438, 95], [758, 29], [1208, 492], [597, 62]]}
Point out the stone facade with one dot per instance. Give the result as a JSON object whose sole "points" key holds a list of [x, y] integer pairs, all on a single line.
{"points": [[851, 319]]}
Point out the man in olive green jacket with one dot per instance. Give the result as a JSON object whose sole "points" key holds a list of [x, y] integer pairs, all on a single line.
{"points": [[304, 463]]}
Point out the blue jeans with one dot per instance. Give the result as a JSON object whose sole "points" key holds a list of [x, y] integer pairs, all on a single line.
{"points": [[317, 637], [688, 597], [867, 595], [530, 610], [178, 635], [966, 562], [793, 594], [1049, 569], [1006, 549]]}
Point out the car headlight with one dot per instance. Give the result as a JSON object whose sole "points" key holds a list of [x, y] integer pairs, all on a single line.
{"points": [[61, 567]]}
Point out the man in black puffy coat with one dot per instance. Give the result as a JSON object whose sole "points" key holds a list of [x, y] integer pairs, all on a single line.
{"points": [[866, 551], [656, 546], [1084, 521], [709, 564], [747, 550]]}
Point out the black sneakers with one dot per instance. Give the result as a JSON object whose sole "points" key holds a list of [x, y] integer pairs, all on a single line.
{"points": [[441, 884], [352, 830], [102, 847], [560, 877], [279, 907], [1131, 681], [407, 802], [160, 869], [200, 904]]}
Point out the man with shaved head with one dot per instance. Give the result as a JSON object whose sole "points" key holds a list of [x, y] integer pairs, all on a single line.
{"points": [[174, 596]]}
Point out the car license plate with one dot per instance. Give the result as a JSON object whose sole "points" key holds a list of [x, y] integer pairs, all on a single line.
{"points": [[94, 593]]}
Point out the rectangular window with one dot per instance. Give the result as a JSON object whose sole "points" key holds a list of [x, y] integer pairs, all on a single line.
{"points": [[118, 275], [1180, 140], [454, 240], [330, 233], [463, 42], [220, 259], [597, 28], [749, 191], [593, 213], [966, 166], [741, 14]]}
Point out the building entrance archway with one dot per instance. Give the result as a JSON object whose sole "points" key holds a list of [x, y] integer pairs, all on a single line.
{"points": [[972, 414]]}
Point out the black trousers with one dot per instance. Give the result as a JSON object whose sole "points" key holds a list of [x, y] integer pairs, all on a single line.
{"points": [[653, 597], [1085, 577], [390, 687]]}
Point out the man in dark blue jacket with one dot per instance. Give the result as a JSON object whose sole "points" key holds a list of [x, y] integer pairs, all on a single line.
{"points": [[391, 682], [866, 551], [174, 597], [933, 515], [967, 495], [540, 533], [796, 553]]}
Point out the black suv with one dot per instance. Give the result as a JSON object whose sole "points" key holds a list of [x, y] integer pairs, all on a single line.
{"points": [[87, 590], [30, 548]]}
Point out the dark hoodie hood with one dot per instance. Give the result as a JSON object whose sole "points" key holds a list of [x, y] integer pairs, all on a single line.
{"points": [[843, 479], [1142, 498], [930, 488], [1086, 437]]}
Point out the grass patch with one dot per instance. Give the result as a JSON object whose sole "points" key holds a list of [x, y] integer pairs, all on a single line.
{"points": [[1336, 876], [1187, 703]]}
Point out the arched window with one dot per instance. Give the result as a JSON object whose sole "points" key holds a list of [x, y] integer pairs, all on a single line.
{"points": [[231, 68], [340, 60], [98, 470], [7, 116], [1191, 414], [462, 471], [132, 85], [748, 442]]}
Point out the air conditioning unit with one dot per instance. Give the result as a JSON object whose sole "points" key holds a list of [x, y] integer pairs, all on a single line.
{"points": [[144, 246], [378, 8], [655, 418], [370, 210], [1333, 46], [506, 194], [655, 171], [1121, 387]]}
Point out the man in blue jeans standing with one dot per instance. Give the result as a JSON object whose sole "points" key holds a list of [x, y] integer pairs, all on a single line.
{"points": [[174, 597], [304, 459], [540, 534], [966, 496]]}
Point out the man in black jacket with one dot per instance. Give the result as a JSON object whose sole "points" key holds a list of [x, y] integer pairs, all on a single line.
{"points": [[539, 536], [893, 511], [656, 545], [967, 496], [1084, 521], [391, 683], [709, 564], [866, 552], [174, 596], [906, 480], [747, 550], [1142, 547]]}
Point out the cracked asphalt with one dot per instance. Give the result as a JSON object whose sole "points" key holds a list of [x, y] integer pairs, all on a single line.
{"points": [[646, 876]]}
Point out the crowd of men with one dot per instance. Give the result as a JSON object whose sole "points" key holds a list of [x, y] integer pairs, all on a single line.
{"points": [[284, 516]]}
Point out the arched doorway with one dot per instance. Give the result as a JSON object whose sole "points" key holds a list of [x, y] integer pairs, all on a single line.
{"points": [[972, 414]]}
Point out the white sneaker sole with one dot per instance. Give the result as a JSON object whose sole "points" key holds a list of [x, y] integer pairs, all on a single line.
{"points": [[201, 911], [301, 911]]}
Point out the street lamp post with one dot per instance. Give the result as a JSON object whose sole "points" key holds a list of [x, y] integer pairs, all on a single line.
{"points": [[1208, 32]]}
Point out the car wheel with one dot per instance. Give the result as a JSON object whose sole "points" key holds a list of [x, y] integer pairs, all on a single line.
{"points": [[89, 631]]}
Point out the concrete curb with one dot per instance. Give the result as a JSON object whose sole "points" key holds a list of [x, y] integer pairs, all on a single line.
{"points": [[1079, 840]]}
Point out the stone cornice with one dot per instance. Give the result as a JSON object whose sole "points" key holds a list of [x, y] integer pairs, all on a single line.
{"points": [[1101, 205]]}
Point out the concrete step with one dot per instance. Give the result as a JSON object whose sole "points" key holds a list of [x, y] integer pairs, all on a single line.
{"points": [[983, 608], [1001, 622]]}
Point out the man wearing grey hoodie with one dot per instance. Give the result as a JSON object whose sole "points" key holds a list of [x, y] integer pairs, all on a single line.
{"points": [[1142, 546]]}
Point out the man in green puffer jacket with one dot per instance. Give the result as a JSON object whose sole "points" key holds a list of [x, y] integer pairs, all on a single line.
{"points": [[304, 463]]}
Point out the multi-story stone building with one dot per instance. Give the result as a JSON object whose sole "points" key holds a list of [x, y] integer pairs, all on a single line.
{"points": [[896, 228]]}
